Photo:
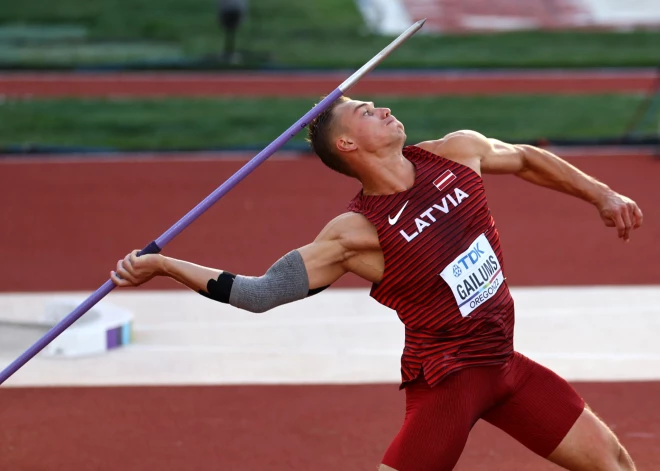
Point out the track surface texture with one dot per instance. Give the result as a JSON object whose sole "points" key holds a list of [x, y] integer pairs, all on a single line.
{"points": [[244, 428], [67, 223], [401, 83]]}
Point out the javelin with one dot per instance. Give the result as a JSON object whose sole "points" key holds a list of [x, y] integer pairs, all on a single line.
{"points": [[157, 245]]}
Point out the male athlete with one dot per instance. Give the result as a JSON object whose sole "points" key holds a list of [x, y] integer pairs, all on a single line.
{"points": [[421, 231]]}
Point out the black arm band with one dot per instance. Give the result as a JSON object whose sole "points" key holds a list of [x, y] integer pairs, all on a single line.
{"points": [[220, 289], [314, 291]]}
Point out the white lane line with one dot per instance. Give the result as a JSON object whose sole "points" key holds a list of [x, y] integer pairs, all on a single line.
{"points": [[260, 351], [623, 356], [390, 316], [384, 319], [265, 323], [594, 356]]}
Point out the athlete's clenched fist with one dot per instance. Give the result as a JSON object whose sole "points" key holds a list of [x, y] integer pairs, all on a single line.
{"points": [[621, 212], [134, 271]]}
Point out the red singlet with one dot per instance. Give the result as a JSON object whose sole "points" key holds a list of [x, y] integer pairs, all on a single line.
{"points": [[443, 269]]}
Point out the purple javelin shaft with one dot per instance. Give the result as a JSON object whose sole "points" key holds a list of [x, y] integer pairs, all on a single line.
{"points": [[158, 244]]}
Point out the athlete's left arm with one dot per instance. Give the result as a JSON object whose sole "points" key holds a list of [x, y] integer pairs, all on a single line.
{"points": [[544, 168]]}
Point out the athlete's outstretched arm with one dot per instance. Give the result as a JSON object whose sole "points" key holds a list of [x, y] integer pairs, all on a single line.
{"points": [[544, 168], [296, 275]]}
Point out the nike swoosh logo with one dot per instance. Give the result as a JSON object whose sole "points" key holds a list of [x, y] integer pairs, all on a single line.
{"points": [[394, 219]]}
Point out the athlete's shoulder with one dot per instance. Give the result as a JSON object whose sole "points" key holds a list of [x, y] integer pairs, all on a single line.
{"points": [[464, 141], [464, 147], [352, 230], [346, 223]]}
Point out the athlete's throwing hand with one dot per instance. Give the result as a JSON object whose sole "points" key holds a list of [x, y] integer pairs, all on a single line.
{"points": [[621, 212], [134, 270]]}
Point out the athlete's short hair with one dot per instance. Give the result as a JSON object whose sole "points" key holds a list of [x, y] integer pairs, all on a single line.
{"points": [[319, 134]]}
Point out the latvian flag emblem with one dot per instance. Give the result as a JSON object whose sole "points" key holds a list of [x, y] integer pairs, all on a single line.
{"points": [[444, 180]]}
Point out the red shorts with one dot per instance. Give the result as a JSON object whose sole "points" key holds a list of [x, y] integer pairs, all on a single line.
{"points": [[521, 397]]}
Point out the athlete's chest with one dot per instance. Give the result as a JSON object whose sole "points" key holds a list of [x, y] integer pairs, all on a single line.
{"points": [[415, 230], [438, 241], [444, 200]]}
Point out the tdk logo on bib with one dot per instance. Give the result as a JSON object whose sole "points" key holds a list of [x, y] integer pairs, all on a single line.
{"points": [[474, 276], [470, 259]]}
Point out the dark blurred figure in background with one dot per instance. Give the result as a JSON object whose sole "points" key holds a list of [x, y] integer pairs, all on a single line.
{"points": [[230, 15]]}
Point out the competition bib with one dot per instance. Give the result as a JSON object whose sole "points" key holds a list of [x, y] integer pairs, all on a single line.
{"points": [[474, 276]]}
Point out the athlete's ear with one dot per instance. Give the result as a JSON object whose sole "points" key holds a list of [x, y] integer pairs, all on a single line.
{"points": [[345, 144]]}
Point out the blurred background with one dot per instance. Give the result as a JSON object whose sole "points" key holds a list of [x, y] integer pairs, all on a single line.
{"points": [[118, 116], [106, 40]]}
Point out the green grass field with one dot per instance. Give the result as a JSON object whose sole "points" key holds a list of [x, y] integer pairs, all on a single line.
{"points": [[280, 33], [227, 123]]}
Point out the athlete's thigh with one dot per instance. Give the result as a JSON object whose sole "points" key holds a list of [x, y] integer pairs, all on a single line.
{"points": [[541, 408], [589, 445], [432, 437], [437, 424]]}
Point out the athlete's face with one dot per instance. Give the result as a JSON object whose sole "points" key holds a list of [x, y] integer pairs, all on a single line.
{"points": [[363, 126]]}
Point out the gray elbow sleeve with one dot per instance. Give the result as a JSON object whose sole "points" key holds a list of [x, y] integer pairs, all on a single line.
{"points": [[284, 282]]}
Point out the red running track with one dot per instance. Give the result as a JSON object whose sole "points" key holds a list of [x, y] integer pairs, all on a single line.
{"points": [[76, 218], [65, 223], [300, 84], [269, 428]]}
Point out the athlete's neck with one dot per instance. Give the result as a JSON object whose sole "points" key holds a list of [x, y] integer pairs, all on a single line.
{"points": [[387, 176]]}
